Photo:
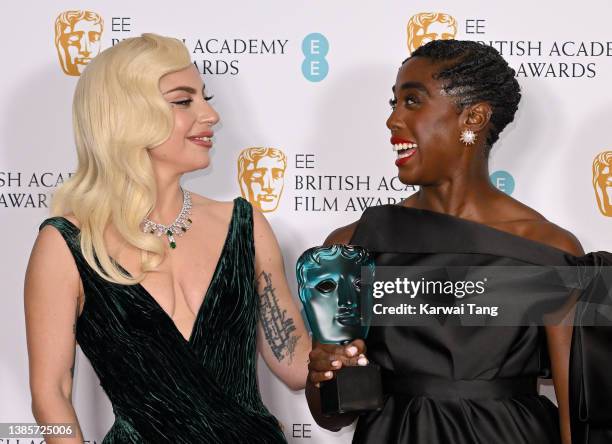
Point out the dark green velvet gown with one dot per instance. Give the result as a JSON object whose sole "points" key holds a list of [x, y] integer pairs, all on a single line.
{"points": [[165, 388]]}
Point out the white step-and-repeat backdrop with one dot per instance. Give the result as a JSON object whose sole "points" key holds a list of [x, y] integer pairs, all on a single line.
{"points": [[311, 79]]}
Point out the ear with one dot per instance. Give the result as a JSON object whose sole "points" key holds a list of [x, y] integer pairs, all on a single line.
{"points": [[476, 117]]}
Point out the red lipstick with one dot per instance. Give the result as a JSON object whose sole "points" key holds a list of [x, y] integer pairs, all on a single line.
{"points": [[397, 140]]}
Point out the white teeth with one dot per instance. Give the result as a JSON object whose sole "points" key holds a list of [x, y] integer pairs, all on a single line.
{"points": [[204, 138], [404, 146], [405, 154]]}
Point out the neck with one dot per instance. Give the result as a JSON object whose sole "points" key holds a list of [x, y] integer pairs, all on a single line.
{"points": [[169, 199], [464, 194]]}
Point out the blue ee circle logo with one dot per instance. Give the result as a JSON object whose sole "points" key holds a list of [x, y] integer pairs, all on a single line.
{"points": [[503, 181], [315, 47]]}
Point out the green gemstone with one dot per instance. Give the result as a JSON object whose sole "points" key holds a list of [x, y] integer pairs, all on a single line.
{"points": [[184, 229], [189, 220], [169, 233], [172, 244], [152, 231]]}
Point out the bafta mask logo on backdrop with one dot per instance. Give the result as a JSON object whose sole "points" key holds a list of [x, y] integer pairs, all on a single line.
{"points": [[602, 182], [261, 175], [428, 26], [77, 39]]}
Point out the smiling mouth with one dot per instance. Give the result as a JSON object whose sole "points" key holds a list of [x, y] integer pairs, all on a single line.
{"points": [[203, 138], [405, 150], [205, 141]]}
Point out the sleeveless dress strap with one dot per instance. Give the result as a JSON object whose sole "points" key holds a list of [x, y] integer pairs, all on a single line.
{"points": [[71, 235], [241, 233]]}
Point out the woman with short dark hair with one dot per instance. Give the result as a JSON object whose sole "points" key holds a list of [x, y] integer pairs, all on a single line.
{"points": [[444, 383]]}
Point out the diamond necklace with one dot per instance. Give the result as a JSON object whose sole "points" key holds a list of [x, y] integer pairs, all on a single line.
{"points": [[179, 227]]}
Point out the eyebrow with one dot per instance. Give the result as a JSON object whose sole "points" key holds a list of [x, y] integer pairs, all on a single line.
{"points": [[187, 89], [412, 85]]}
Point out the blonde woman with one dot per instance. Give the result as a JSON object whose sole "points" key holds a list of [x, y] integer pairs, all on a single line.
{"points": [[169, 294]]}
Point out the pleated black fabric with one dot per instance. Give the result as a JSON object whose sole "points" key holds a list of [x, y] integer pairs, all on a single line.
{"points": [[164, 388], [590, 375], [467, 361]]}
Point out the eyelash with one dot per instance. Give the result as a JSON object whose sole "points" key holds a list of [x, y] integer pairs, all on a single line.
{"points": [[188, 101], [407, 99]]}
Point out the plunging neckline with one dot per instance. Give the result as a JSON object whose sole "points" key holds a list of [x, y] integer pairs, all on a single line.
{"points": [[200, 310], [151, 298]]}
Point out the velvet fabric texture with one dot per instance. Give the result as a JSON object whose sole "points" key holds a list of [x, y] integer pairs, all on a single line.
{"points": [[455, 384], [164, 388]]}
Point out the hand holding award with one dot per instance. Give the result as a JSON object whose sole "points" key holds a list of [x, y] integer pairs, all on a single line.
{"points": [[337, 308]]}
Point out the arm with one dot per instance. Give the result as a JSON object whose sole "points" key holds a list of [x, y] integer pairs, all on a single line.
{"points": [[282, 337], [559, 338], [51, 292]]}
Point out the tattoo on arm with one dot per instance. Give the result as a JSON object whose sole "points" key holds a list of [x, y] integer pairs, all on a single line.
{"points": [[278, 328]]}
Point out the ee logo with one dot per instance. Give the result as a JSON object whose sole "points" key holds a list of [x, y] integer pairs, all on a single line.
{"points": [[315, 47], [503, 181]]}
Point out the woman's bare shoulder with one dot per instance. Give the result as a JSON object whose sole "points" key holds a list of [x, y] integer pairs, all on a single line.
{"points": [[214, 211], [342, 235], [51, 260], [49, 236], [527, 222]]}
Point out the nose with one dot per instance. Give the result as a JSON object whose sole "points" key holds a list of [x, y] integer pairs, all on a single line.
{"points": [[394, 123], [208, 115]]}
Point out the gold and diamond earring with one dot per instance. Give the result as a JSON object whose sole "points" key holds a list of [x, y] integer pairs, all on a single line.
{"points": [[468, 137]]}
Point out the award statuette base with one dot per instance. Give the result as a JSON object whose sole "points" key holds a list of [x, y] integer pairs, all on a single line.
{"points": [[353, 389]]}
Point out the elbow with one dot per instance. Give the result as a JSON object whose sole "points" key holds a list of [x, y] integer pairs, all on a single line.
{"points": [[296, 385], [40, 406], [45, 402], [296, 380]]}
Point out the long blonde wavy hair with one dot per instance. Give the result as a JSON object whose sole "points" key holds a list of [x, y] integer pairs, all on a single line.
{"points": [[118, 114]]}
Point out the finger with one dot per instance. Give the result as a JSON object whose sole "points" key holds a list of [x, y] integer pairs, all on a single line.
{"points": [[317, 377], [355, 348], [359, 360], [324, 365], [329, 353]]}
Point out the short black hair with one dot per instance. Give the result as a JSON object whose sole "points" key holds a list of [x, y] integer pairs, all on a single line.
{"points": [[474, 72]]}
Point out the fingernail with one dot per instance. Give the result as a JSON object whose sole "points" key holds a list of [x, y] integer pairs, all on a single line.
{"points": [[328, 374], [335, 364], [317, 385], [362, 361], [351, 351]]}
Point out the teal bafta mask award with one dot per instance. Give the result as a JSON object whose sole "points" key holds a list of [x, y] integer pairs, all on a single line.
{"points": [[338, 307]]}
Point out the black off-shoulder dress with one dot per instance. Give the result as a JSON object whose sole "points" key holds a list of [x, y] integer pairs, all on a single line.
{"points": [[457, 384]]}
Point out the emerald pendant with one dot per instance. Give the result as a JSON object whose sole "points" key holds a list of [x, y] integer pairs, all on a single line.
{"points": [[178, 228]]}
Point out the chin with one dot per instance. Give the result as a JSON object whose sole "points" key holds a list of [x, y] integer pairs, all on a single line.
{"points": [[408, 177], [196, 166]]}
